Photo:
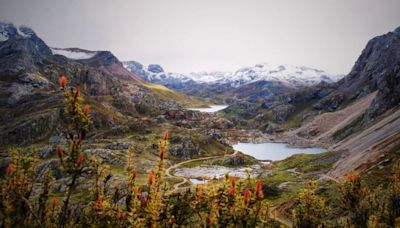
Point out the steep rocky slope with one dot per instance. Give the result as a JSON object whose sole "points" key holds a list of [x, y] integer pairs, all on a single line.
{"points": [[367, 124], [125, 111], [322, 129], [368, 145]]}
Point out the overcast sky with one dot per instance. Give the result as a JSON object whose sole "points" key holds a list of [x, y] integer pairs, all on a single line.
{"points": [[202, 35]]}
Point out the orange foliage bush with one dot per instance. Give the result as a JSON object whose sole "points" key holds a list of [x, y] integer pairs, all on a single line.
{"points": [[232, 202]]}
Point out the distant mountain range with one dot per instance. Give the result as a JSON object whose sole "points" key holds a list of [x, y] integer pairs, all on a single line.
{"points": [[290, 75], [358, 114]]}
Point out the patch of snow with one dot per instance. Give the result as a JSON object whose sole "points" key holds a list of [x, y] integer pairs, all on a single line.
{"points": [[25, 31], [3, 36], [293, 75], [73, 54], [3, 33], [211, 109]]}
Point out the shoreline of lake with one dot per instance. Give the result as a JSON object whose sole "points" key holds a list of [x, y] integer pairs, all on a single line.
{"points": [[280, 151]]}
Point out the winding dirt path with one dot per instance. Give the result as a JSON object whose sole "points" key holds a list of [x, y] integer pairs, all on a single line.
{"points": [[272, 212], [184, 179]]}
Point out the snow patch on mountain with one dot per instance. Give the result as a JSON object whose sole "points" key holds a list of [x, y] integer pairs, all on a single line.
{"points": [[293, 75], [25, 31], [3, 32], [154, 73], [9, 30], [297, 75], [73, 53], [211, 77]]}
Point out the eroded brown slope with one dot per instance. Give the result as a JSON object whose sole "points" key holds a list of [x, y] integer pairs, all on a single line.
{"points": [[368, 145], [320, 130]]}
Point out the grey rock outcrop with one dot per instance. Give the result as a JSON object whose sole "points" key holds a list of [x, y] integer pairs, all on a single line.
{"points": [[330, 103], [46, 152], [136, 68], [282, 112], [186, 149], [155, 68], [52, 165]]}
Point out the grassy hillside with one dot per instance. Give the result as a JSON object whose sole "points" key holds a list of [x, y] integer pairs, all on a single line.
{"points": [[163, 92]]}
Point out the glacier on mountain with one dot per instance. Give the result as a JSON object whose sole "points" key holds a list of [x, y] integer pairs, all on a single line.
{"points": [[293, 75], [73, 53]]}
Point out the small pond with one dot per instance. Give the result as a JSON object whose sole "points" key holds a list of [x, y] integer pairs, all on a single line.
{"points": [[273, 151], [212, 108], [195, 174]]}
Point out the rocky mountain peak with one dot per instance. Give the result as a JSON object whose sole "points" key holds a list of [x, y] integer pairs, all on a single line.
{"points": [[7, 31], [397, 30], [155, 68], [73, 53], [136, 68], [379, 57], [104, 58], [10, 33], [26, 31]]}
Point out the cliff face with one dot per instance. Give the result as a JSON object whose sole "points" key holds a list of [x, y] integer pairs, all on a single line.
{"points": [[377, 69], [375, 131], [388, 93], [362, 118], [378, 59], [29, 89], [121, 105], [30, 97]]}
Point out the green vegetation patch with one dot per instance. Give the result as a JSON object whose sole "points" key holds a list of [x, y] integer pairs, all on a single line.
{"points": [[348, 129], [307, 162], [163, 92]]}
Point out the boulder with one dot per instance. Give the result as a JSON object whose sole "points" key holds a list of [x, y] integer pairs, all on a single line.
{"points": [[46, 152], [214, 134], [235, 161], [185, 150], [52, 165]]}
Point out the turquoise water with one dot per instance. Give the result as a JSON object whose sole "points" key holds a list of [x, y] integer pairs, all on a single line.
{"points": [[212, 108], [273, 151]]}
